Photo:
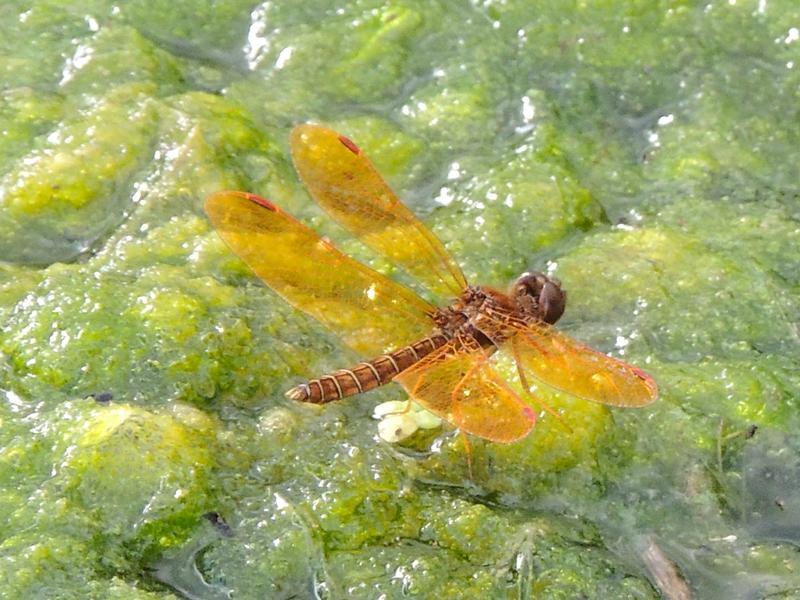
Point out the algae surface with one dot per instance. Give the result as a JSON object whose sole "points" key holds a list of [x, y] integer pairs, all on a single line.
{"points": [[645, 153]]}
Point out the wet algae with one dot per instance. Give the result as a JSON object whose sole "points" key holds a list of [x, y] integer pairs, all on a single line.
{"points": [[643, 152]]}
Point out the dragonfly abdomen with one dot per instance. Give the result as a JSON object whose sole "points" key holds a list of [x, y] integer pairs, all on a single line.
{"points": [[365, 376]]}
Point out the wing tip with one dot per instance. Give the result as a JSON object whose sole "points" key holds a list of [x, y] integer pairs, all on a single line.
{"points": [[650, 384], [301, 132], [530, 414], [349, 144], [222, 196], [503, 436], [296, 134], [261, 201]]}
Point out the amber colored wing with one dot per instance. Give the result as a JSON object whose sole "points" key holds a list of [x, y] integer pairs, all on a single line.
{"points": [[344, 182], [370, 312], [457, 383], [562, 363]]}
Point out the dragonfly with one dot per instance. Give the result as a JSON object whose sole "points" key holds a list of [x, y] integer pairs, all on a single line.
{"points": [[442, 354]]}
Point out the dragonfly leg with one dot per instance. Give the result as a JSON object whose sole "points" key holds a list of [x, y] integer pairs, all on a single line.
{"points": [[456, 404]]}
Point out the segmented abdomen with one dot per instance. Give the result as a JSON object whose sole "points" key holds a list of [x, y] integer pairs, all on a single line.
{"points": [[366, 375]]}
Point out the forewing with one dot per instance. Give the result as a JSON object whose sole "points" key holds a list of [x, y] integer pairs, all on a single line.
{"points": [[343, 181], [562, 363], [370, 312], [457, 383]]}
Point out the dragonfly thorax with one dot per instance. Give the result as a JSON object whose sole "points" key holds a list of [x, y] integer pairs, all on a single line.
{"points": [[532, 297]]}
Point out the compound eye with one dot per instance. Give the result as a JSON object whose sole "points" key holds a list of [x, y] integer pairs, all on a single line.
{"points": [[552, 302]]}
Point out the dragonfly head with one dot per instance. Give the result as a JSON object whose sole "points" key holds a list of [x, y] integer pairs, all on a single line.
{"points": [[539, 296]]}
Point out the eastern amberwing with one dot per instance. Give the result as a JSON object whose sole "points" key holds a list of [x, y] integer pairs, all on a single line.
{"points": [[440, 355]]}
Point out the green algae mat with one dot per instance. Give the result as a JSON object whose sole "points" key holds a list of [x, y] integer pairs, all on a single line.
{"points": [[645, 153]]}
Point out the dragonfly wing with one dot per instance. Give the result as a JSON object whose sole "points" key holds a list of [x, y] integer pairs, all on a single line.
{"points": [[457, 383], [369, 311], [343, 181], [562, 363]]}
